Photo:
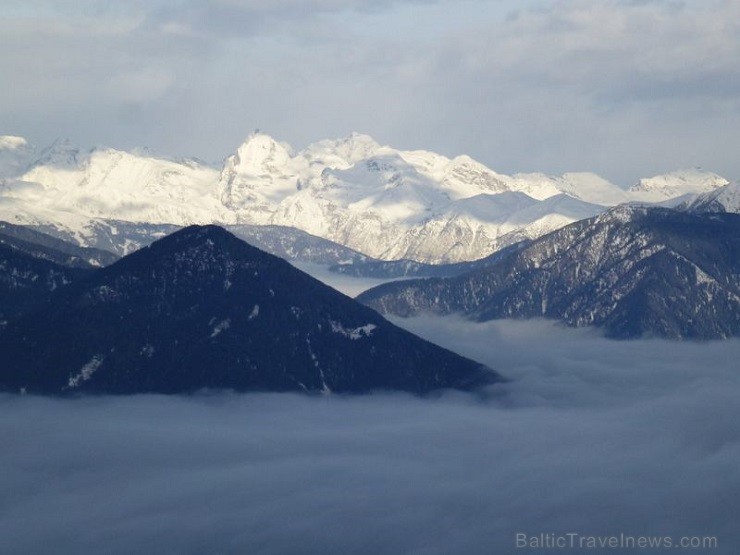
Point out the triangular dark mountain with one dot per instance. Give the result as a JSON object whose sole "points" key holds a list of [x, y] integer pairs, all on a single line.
{"points": [[634, 271], [202, 309]]}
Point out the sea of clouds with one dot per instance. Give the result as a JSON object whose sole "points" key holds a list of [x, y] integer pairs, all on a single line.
{"points": [[590, 436]]}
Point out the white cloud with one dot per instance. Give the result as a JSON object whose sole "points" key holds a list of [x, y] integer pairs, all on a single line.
{"points": [[591, 436]]}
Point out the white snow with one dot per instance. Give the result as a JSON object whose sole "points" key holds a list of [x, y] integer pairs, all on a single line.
{"points": [[381, 201], [703, 278], [223, 325], [86, 371], [723, 199], [675, 184], [585, 186], [107, 183], [352, 333], [325, 389]]}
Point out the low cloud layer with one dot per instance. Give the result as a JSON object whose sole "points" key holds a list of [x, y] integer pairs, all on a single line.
{"points": [[590, 436]]}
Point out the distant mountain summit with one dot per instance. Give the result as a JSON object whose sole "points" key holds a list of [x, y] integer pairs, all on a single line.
{"points": [[202, 309], [633, 271], [382, 202], [392, 204], [676, 184]]}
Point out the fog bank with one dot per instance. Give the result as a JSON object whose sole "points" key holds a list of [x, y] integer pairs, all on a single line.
{"points": [[590, 436]]}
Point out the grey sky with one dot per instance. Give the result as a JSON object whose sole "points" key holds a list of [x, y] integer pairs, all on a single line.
{"points": [[623, 88]]}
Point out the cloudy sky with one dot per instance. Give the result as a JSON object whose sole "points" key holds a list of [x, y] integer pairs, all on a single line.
{"points": [[626, 88]]}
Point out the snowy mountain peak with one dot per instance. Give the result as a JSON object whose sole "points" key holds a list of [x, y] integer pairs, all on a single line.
{"points": [[344, 152], [586, 186], [260, 153], [592, 188], [676, 183], [357, 146], [76, 186], [376, 173], [384, 202], [359, 139], [61, 154], [260, 164], [623, 213], [467, 177], [465, 159]]}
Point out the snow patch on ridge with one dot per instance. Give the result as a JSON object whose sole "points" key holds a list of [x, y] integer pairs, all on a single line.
{"points": [[223, 325], [352, 333], [85, 372]]}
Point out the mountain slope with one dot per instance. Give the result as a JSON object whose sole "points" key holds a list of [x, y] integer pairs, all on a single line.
{"points": [[584, 186], [113, 184], [380, 201], [202, 309], [28, 275], [57, 250], [723, 199], [633, 271], [126, 237], [393, 204], [675, 184]]}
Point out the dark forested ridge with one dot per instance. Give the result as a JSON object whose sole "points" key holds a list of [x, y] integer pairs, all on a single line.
{"points": [[633, 271], [203, 309]]}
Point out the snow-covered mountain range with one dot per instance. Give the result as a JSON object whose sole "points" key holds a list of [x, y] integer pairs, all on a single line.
{"points": [[676, 184], [386, 203]]}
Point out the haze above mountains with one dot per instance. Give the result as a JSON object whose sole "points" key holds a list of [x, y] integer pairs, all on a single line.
{"points": [[382, 202]]}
